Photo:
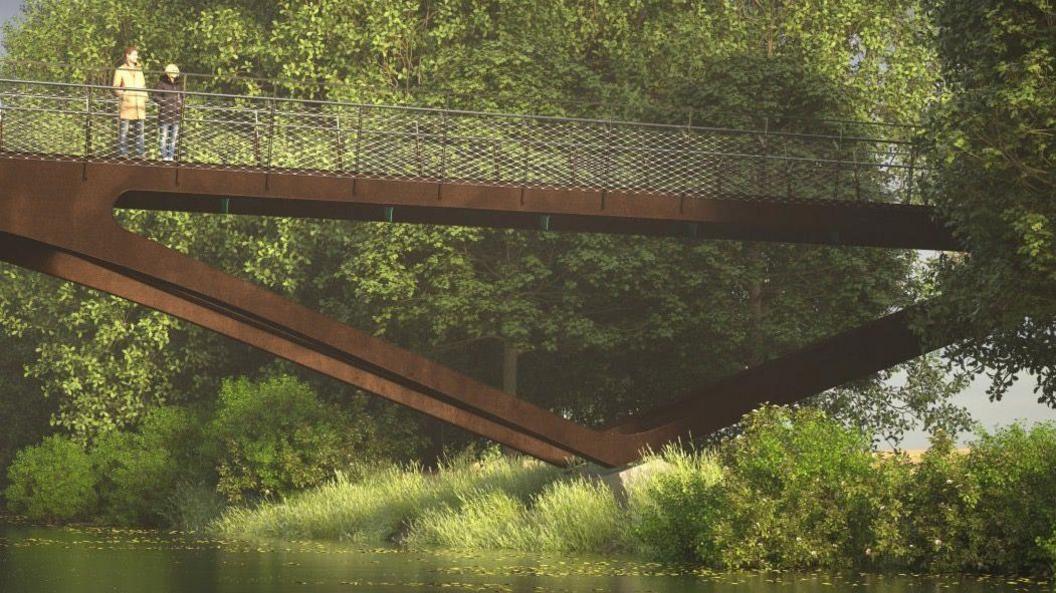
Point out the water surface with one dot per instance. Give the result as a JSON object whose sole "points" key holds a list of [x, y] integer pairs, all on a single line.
{"points": [[89, 560]]}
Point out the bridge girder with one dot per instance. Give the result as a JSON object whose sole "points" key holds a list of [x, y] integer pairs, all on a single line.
{"points": [[56, 217]]}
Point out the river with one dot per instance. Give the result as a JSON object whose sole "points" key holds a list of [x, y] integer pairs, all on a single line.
{"points": [[99, 560]]}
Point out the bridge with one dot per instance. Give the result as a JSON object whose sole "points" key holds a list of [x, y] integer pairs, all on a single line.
{"points": [[61, 178]]}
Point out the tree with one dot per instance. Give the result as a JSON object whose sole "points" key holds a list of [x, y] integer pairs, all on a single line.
{"points": [[593, 326], [993, 160]]}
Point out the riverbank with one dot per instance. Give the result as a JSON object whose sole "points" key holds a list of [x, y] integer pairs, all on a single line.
{"points": [[796, 491]]}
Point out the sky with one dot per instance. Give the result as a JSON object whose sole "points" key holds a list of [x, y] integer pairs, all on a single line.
{"points": [[1020, 404], [8, 9]]}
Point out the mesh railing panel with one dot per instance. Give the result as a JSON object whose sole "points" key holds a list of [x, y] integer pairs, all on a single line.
{"points": [[80, 122]]}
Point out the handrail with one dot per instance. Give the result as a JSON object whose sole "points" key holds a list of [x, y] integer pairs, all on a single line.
{"points": [[497, 114], [230, 131]]}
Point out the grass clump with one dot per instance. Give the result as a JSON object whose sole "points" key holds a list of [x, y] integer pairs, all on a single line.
{"points": [[578, 516], [384, 502], [479, 521], [572, 515]]}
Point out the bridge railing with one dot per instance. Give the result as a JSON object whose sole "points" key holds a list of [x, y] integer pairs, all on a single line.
{"points": [[66, 121]]}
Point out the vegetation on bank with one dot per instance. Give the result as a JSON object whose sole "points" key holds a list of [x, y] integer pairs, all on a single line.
{"points": [[794, 490], [182, 465]]}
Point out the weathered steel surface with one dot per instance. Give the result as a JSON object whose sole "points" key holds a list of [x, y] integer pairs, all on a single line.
{"points": [[56, 218]]}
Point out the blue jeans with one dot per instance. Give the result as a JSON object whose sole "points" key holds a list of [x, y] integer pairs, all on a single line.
{"points": [[167, 135], [123, 141]]}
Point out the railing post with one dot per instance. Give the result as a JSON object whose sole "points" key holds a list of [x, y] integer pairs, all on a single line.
{"points": [[340, 143], [418, 148], [359, 138], [606, 172], [524, 159], [443, 146], [857, 180], [764, 173], [572, 164], [271, 145], [258, 156], [181, 100], [495, 160], [909, 182], [788, 172], [87, 132]]}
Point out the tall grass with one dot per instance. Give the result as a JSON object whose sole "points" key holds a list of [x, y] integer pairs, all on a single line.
{"points": [[384, 502], [572, 515]]}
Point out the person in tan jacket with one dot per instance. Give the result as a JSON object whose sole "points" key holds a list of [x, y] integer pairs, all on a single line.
{"points": [[130, 87]]}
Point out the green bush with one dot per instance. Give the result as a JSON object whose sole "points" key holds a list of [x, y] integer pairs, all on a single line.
{"points": [[275, 437], [802, 491], [942, 510], [1015, 471], [138, 471], [192, 507], [673, 511], [52, 481]]}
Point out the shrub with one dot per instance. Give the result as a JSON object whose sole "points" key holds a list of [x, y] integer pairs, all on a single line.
{"points": [[1015, 470], [138, 471], [52, 481], [275, 437], [942, 509], [192, 506], [673, 511], [802, 491]]}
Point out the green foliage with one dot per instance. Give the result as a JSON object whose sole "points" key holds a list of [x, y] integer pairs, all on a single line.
{"points": [[783, 464], [477, 521], [192, 507], [940, 509], [917, 394], [52, 481], [138, 471], [275, 437], [993, 178], [23, 410], [674, 511], [576, 515], [383, 503], [796, 490], [1015, 470]]}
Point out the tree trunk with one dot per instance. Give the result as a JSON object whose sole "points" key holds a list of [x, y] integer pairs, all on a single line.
{"points": [[510, 354]]}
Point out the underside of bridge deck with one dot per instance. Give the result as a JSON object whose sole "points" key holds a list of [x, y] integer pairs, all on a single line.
{"points": [[56, 217]]}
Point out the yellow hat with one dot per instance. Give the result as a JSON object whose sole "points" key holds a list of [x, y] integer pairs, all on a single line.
{"points": [[172, 70]]}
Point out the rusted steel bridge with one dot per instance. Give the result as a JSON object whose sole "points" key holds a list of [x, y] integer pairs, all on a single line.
{"points": [[61, 179]]}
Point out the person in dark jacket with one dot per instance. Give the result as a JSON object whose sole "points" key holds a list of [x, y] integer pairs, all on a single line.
{"points": [[167, 94]]}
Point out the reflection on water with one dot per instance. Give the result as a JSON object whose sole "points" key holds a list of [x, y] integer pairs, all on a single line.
{"points": [[54, 560]]}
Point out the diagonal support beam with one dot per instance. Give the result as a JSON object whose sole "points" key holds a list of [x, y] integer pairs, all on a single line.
{"points": [[83, 271], [56, 218]]}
